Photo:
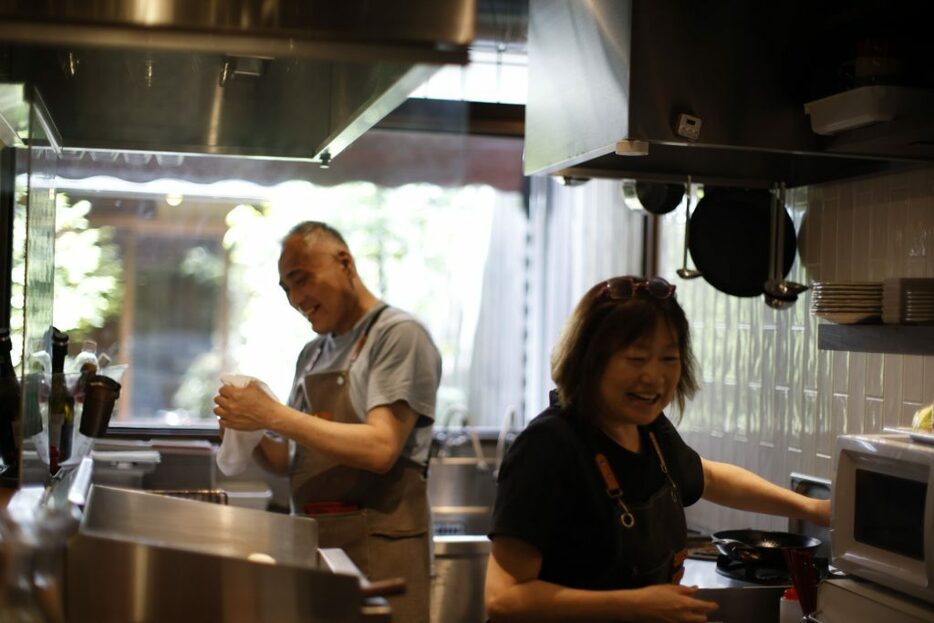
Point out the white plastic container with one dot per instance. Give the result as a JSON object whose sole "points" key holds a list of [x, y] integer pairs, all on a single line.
{"points": [[864, 106], [247, 494], [789, 608]]}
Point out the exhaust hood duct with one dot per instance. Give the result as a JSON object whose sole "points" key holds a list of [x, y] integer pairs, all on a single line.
{"points": [[289, 79], [663, 89]]}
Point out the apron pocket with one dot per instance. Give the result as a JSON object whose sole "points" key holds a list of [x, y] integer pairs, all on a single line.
{"points": [[347, 531]]}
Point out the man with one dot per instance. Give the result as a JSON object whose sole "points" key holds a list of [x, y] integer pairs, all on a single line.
{"points": [[358, 418]]}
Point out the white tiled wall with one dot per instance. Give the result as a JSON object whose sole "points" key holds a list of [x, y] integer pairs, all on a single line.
{"points": [[770, 400]]}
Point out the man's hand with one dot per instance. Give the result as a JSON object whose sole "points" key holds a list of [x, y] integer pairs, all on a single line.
{"points": [[243, 408]]}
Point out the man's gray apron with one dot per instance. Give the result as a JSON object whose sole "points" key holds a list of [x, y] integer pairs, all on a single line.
{"points": [[380, 520]]}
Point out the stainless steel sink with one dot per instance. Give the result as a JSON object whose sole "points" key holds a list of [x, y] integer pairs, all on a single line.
{"points": [[144, 557], [461, 491]]}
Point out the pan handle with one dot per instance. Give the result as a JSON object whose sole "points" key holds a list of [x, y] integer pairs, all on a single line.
{"points": [[737, 550]]}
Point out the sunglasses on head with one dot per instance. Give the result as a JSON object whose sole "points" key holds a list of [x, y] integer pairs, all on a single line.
{"points": [[624, 288]]}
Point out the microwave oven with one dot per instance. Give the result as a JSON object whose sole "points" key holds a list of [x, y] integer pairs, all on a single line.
{"points": [[882, 525]]}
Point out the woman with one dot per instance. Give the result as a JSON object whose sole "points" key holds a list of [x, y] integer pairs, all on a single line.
{"points": [[589, 522]]}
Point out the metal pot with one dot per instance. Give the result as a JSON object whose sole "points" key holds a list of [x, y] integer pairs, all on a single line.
{"points": [[763, 548]]}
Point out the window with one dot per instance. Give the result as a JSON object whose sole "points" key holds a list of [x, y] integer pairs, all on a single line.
{"points": [[178, 279]]}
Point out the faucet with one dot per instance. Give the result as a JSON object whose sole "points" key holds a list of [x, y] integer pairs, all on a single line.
{"points": [[505, 436], [460, 412]]}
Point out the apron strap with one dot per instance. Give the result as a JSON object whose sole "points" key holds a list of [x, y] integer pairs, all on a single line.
{"points": [[357, 347], [366, 333], [675, 494], [614, 491]]}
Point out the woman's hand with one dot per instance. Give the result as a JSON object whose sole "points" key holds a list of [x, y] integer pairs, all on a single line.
{"points": [[671, 603], [243, 408]]}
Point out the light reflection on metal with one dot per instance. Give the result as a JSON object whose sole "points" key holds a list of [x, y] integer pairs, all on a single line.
{"points": [[147, 72], [71, 64], [225, 74], [214, 118]]}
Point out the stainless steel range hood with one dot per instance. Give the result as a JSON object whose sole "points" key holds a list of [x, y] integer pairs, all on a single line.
{"points": [[711, 89], [294, 79]]}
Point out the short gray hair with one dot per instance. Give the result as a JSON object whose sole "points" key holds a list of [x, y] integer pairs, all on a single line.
{"points": [[307, 228]]}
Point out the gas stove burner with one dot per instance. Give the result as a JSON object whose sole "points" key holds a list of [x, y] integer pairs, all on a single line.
{"points": [[752, 572]]}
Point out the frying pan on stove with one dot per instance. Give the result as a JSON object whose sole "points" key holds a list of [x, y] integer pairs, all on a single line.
{"points": [[764, 548], [729, 239]]}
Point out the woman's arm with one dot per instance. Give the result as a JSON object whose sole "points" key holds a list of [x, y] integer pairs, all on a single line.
{"points": [[733, 486], [514, 593]]}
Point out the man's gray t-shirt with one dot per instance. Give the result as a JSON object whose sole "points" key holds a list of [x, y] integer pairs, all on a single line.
{"points": [[399, 361]]}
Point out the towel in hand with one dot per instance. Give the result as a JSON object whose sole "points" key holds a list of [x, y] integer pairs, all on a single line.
{"points": [[236, 449]]}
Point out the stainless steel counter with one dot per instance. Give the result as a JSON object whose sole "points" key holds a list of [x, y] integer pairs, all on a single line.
{"points": [[740, 602], [144, 557]]}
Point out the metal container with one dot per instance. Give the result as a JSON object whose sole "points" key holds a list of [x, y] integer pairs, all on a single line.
{"points": [[458, 579], [143, 557], [461, 491]]}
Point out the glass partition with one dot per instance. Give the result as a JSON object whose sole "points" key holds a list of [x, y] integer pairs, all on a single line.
{"points": [[36, 164]]}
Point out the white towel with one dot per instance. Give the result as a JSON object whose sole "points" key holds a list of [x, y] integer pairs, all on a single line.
{"points": [[236, 451]]}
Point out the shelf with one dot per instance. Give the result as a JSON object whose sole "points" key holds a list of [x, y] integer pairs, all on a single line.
{"points": [[877, 338]]}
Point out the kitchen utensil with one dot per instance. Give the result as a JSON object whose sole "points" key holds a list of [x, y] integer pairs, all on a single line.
{"points": [[101, 392], [765, 548], [776, 296], [729, 239], [653, 197], [779, 293], [776, 302], [684, 272]]}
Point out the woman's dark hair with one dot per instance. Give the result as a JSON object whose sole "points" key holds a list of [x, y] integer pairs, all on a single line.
{"points": [[601, 326]]}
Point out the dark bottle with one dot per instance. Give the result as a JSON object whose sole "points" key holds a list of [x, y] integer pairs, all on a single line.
{"points": [[9, 409], [61, 405]]}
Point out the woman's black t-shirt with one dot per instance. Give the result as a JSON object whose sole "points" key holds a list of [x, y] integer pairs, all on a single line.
{"points": [[551, 495]]}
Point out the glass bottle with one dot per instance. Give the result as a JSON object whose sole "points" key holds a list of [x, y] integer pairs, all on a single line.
{"points": [[61, 405], [9, 410]]}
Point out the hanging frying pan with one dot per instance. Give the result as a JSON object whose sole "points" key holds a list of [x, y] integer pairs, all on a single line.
{"points": [[653, 197], [729, 239]]}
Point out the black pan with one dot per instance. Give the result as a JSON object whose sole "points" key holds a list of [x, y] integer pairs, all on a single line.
{"points": [[765, 548], [659, 198], [729, 239]]}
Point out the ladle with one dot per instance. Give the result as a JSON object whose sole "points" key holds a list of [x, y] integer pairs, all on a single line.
{"points": [[779, 303], [684, 272], [779, 293]]}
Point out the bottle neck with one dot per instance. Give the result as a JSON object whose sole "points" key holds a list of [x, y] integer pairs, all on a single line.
{"points": [[6, 360], [58, 357]]}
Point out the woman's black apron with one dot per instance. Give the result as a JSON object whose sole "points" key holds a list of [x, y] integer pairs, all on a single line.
{"points": [[651, 536]]}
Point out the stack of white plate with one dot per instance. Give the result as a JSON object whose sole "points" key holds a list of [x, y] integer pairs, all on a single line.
{"points": [[847, 303], [908, 301]]}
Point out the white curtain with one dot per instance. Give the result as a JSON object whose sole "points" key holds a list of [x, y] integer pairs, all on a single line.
{"points": [[579, 235], [496, 365]]}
